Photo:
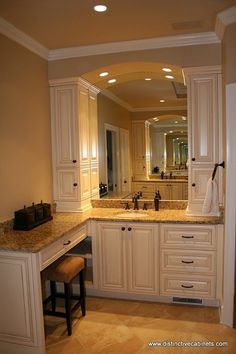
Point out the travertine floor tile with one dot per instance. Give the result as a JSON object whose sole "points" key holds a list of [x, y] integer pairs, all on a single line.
{"points": [[118, 326]]}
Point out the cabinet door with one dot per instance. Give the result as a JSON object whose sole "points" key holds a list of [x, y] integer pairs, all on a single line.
{"points": [[204, 130], [125, 160], [111, 256], [164, 190], [21, 320], [176, 191], [141, 259], [67, 185], [64, 127]]}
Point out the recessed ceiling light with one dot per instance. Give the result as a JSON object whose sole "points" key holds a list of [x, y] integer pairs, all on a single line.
{"points": [[148, 79], [162, 101], [170, 131], [103, 74], [176, 122], [165, 133], [100, 8], [184, 118], [169, 76], [167, 70], [111, 81], [156, 119], [177, 138]]}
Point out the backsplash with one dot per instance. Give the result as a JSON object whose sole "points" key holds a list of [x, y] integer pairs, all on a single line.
{"points": [[120, 203]]}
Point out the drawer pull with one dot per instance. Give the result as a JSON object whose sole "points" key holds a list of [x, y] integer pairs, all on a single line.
{"points": [[187, 236], [129, 228], [187, 262], [187, 286], [123, 228], [66, 243]]}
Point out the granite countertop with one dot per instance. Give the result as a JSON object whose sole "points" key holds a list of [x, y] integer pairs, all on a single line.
{"points": [[43, 235]]}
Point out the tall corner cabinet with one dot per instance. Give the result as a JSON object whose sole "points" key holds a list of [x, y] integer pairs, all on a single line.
{"points": [[74, 143], [204, 87]]}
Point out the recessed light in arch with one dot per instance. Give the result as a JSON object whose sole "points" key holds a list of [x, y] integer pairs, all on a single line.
{"points": [[162, 101], [104, 73], [100, 8], [167, 70], [169, 76], [148, 79], [112, 81]]}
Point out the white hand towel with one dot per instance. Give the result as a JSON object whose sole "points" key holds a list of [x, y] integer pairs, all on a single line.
{"points": [[211, 202]]}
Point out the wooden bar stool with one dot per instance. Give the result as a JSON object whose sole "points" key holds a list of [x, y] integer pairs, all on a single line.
{"points": [[64, 270]]}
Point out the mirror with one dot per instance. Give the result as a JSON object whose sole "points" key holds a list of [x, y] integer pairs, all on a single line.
{"points": [[168, 145]]}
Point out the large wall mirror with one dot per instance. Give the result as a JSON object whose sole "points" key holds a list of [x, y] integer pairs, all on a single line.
{"points": [[168, 145]]}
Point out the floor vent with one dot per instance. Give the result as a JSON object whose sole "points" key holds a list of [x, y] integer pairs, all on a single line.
{"points": [[187, 300]]}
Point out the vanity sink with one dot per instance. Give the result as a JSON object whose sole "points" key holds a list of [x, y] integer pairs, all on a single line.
{"points": [[132, 214]]}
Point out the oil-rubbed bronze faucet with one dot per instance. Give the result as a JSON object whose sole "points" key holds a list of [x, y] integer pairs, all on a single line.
{"points": [[135, 201]]}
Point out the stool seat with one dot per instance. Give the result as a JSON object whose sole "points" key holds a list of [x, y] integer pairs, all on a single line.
{"points": [[65, 269]]}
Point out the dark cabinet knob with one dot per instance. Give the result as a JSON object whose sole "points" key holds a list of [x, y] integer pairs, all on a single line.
{"points": [[74, 161], [75, 184], [125, 181], [193, 184], [129, 228], [193, 159], [123, 228]]}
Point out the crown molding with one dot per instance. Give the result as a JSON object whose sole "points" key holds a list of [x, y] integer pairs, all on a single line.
{"points": [[135, 45], [10, 31], [117, 100], [224, 19]]}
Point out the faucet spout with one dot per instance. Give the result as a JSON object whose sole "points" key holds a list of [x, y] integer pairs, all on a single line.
{"points": [[135, 201]]}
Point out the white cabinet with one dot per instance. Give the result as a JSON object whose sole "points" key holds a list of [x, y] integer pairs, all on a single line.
{"points": [[74, 143], [128, 256], [191, 261], [21, 320], [142, 258], [170, 191], [141, 154], [205, 131]]}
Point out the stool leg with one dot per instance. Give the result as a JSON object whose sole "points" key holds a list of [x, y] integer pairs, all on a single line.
{"points": [[53, 294], [82, 292], [67, 288]]}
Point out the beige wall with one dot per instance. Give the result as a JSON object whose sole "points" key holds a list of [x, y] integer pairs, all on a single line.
{"points": [[187, 56], [111, 113], [25, 150]]}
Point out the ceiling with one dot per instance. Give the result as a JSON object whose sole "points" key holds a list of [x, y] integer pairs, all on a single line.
{"points": [[71, 23]]}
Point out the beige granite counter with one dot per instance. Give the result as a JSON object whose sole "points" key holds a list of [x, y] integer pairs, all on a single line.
{"points": [[40, 237]]}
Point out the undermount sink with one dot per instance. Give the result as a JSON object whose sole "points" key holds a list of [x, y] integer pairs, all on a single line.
{"points": [[132, 214]]}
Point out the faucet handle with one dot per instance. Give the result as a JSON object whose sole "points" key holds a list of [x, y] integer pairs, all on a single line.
{"points": [[126, 204]]}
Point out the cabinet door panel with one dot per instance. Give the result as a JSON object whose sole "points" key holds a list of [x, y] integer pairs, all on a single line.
{"points": [[141, 259], [67, 185], [17, 323], [204, 110], [111, 247], [64, 125]]}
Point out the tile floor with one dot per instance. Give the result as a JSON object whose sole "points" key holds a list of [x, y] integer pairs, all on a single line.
{"points": [[120, 326]]}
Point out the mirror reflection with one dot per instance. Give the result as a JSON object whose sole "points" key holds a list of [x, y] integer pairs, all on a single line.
{"points": [[168, 145]]}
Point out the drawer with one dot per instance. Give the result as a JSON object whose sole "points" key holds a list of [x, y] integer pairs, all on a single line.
{"points": [[56, 249], [145, 187], [183, 285], [188, 261], [187, 236]]}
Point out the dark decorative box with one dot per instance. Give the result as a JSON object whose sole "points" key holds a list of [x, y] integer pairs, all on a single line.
{"points": [[30, 217]]}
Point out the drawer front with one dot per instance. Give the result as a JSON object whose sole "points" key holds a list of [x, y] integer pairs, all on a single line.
{"points": [[61, 246], [187, 236], [188, 261], [145, 187], [183, 285]]}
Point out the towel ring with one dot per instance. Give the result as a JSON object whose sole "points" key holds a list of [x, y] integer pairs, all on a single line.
{"points": [[222, 164]]}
